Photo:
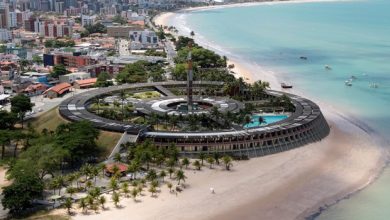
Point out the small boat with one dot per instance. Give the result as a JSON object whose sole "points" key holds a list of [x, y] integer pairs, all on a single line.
{"points": [[303, 58], [327, 67], [353, 77], [286, 86], [348, 83]]}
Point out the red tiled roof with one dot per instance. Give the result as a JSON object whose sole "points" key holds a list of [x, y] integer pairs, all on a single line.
{"points": [[35, 87], [59, 88], [122, 167], [86, 82]]}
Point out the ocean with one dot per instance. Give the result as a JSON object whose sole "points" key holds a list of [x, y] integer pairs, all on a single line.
{"points": [[351, 37]]}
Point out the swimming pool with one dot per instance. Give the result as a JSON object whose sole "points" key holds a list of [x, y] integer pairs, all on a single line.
{"points": [[268, 119]]}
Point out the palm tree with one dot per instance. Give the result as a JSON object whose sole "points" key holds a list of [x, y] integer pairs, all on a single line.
{"points": [[59, 182], [134, 194], [115, 170], [125, 189], [86, 170], [102, 201], [169, 185], [83, 205], [115, 198], [113, 184], [68, 204], [227, 160], [216, 157], [202, 156], [133, 168], [171, 171], [180, 176], [117, 157], [152, 190], [95, 173], [70, 178], [102, 167], [77, 176], [185, 162], [140, 188], [70, 190], [154, 183], [197, 164], [88, 184], [171, 162], [90, 201], [162, 174], [151, 175], [210, 161]]}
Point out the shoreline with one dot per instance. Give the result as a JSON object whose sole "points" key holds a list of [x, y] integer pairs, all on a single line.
{"points": [[242, 69], [278, 186]]}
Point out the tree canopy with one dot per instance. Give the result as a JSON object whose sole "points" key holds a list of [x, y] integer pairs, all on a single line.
{"points": [[95, 28], [140, 71], [59, 70], [20, 104], [103, 80], [7, 119], [119, 19], [58, 43], [19, 195], [78, 138]]}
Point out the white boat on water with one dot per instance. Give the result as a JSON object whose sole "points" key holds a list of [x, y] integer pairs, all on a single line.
{"points": [[327, 67], [348, 83]]}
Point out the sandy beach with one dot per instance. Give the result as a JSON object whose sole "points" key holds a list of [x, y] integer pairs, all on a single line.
{"points": [[287, 185], [283, 186]]}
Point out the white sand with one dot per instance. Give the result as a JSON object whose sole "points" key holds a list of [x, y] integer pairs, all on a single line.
{"points": [[281, 186], [288, 185]]}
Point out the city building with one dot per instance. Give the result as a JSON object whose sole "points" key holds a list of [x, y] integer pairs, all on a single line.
{"points": [[96, 69], [58, 90], [68, 60], [143, 39], [51, 29], [87, 20], [35, 89], [122, 31], [84, 83], [111, 10], [73, 77], [4, 15], [5, 35]]}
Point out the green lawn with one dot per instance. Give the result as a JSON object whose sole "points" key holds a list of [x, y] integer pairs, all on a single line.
{"points": [[146, 95], [51, 119]]}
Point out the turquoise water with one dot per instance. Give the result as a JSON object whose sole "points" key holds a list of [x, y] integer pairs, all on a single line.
{"points": [[268, 119], [353, 37]]}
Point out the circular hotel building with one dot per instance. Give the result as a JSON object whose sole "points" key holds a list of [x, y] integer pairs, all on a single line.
{"points": [[304, 125]]}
